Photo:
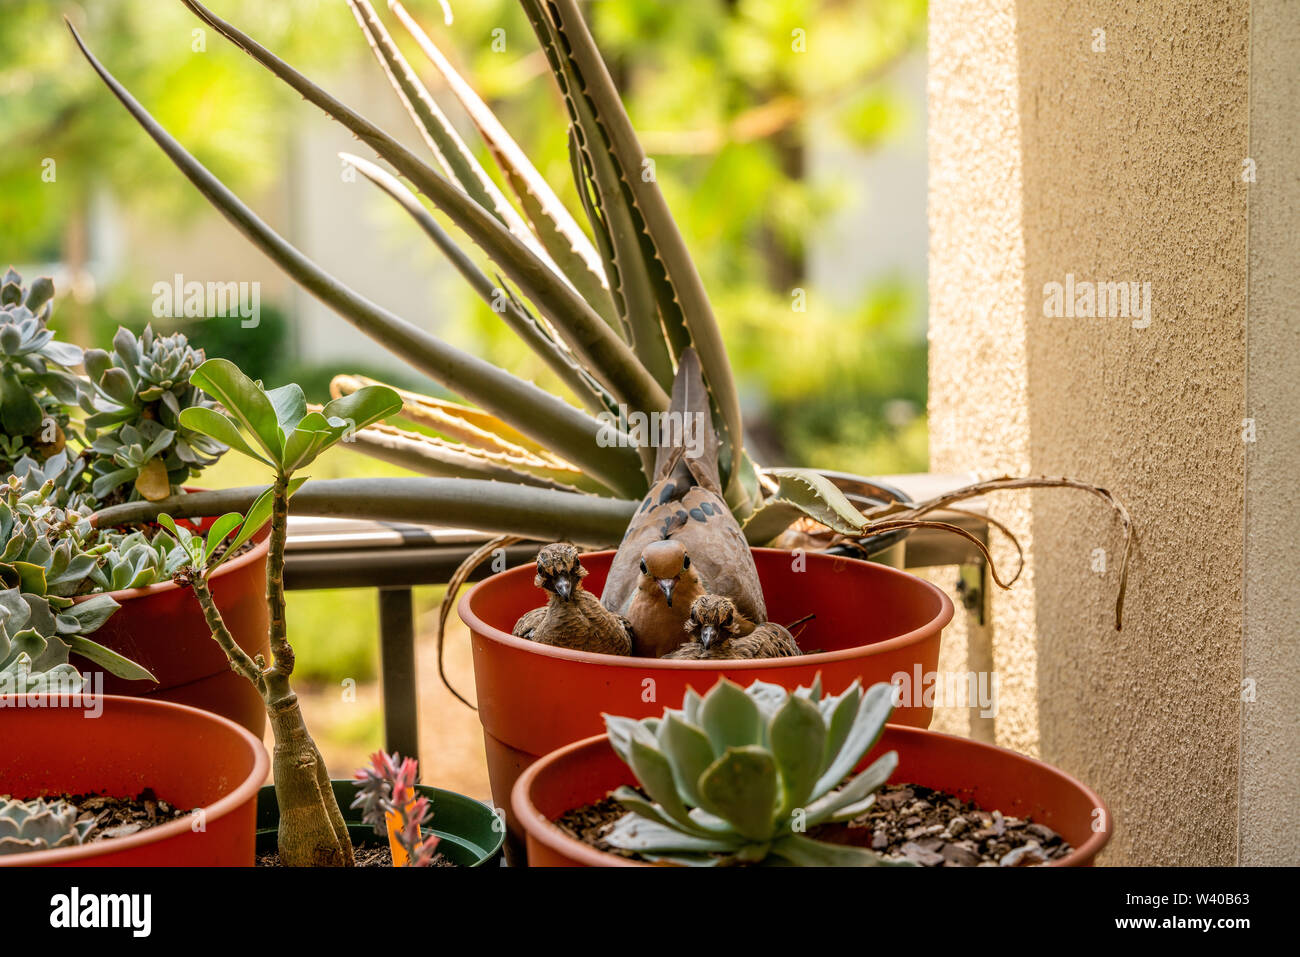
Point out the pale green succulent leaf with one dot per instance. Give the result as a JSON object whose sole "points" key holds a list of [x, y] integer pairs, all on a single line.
{"points": [[741, 787], [107, 659], [868, 724], [730, 717], [806, 852], [796, 735]]}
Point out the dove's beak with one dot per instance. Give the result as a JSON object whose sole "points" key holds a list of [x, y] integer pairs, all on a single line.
{"points": [[563, 587], [668, 584], [707, 635]]}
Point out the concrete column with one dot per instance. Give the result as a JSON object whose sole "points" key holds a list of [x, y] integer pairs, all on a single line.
{"points": [[1103, 143]]}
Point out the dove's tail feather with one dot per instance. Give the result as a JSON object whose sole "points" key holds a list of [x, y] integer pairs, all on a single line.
{"points": [[698, 445]]}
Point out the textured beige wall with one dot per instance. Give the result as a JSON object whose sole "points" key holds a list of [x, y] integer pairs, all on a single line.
{"points": [[1048, 157]]}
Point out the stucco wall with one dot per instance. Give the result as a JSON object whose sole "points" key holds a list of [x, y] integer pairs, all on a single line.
{"points": [[1051, 156]]}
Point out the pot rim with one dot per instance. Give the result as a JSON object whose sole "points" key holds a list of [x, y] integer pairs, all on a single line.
{"points": [[244, 791], [542, 829], [479, 627], [261, 545]]}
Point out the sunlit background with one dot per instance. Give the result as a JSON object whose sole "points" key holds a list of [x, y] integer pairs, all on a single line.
{"points": [[788, 137]]}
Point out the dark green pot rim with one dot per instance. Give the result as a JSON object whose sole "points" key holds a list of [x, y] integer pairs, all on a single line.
{"points": [[471, 833]]}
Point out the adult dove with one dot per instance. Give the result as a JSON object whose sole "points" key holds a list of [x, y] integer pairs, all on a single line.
{"points": [[653, 583]]}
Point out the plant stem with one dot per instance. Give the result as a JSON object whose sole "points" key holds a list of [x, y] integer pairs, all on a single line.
{"points": [[281, 650], [239, 659]]}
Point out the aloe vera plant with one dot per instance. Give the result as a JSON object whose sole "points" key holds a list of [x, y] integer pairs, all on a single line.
{"points": [[609, 308], [739, 775], [275, 428]]}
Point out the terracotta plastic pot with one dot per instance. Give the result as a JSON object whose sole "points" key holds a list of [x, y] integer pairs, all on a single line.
{"points": [[190, 758], [992, 777], [471, 834], [162, 628], [871, 623]]}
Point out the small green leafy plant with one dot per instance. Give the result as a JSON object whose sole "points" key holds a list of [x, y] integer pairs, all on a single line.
{"points": [[39, 825], [740, 774], [276, 428]]}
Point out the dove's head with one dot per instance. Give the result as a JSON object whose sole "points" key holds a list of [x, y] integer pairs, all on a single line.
{"points": [[559, 571], [713, 619], [663, 565]]}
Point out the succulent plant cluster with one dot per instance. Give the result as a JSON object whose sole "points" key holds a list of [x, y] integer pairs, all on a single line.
{"points": [[388, 803], [739, 775], [39, 825], [136, 395], [37, 383]]}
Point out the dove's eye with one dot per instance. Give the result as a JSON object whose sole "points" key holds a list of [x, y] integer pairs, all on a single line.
{"points": [[644, 570], [686, 561]]}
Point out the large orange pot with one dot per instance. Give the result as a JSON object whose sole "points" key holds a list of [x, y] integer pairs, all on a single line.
{"points": [[190, 758], [162, 628], [992, 777], [871, 623]]}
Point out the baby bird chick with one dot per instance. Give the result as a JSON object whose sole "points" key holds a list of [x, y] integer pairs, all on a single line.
{"points": [[662, 602], [718, 630], [572, 617]]}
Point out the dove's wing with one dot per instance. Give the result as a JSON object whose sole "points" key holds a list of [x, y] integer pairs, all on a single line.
{"points": [[685, 504]]}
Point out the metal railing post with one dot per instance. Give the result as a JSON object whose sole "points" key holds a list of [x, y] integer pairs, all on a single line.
{"points": [[397, 671]]}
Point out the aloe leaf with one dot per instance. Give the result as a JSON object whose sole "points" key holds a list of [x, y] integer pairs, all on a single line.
{"points": [[669, 247], [601, 350], [433, 456], [532, 410], [628, 271], [802, 493], [497, 507], [558, 231], [492, 293], [439, 135]]}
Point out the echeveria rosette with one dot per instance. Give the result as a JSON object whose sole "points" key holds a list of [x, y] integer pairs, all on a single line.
{"points": [[740, 774], [36, 378], [39, 825], [137, 394]]}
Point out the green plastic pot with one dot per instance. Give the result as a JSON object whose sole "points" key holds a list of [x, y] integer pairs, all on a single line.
{"points": [[471, 834]]}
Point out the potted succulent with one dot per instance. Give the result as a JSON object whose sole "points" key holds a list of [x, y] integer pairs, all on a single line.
{"points": [[204, 769], [768, 776], [74, 756], [113, 435]]}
